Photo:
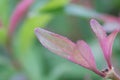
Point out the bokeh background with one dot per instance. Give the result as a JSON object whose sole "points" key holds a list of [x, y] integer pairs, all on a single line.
{"points": [[22, 57]]}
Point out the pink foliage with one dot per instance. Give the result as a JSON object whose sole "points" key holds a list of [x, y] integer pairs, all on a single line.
{"points": [[80, 52], [18, 14], [105, 41]]}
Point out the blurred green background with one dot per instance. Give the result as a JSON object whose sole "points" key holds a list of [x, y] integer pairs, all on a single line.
{"points": [[22, 57]]}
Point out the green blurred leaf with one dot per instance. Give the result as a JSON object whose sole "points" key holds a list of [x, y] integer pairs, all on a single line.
{"points": [[70, 71], [4, 11], [6, 68], [26, 35], [23, 45], [54, 5], [31, 64], [3, 35]]}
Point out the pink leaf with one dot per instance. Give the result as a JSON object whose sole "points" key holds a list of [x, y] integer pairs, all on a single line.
{"points": [[86, 53], [55, 43], [79, 53], [18, 14], [105, 42], [110, 41]]}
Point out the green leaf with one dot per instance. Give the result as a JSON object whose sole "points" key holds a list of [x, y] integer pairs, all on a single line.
{"points": [[3, 35], [54, 5], [31, 64], [23, 46], [71, 71], [4, 11], [26, 35], [6, 68]]}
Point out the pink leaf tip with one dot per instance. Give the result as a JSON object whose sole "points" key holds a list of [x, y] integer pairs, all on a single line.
{"points": [[97, 29]]}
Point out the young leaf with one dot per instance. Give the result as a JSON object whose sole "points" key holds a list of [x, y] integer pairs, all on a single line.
{"points": [[55, 43], [105, 41], [79, 53], [54, 5], [26, 35]]}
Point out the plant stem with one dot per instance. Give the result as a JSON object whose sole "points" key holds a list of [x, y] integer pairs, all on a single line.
{"points": [[112, 75]]}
